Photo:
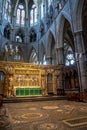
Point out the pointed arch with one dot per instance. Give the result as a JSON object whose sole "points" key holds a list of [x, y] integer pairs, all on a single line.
{"points": [[60, 28], [20, 17], [7, 10], [33, 15], [77, 20], [15, 8]]}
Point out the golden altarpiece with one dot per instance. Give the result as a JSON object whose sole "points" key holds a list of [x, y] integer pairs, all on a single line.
{"points": [[24, 79]]}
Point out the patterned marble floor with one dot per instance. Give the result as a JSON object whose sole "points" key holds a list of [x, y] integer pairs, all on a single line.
{"points": [[46, 115]]}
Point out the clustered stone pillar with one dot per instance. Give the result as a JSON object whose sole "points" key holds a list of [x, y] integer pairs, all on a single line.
{"points": [[60, 56], [81, 61], [60, 60], [26, 40]]}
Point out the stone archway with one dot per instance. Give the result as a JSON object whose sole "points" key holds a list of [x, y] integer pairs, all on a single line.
{"points": [[59, 35], [84, 25], [69, 45], [80, 44], [64, 25], [77, 17]]}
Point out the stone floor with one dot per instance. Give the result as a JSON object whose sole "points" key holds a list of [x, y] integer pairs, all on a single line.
{"points": [[48, 115]]}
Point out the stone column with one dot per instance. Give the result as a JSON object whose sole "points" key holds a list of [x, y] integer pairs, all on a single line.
{"points": [[60, 56], [81, 60], [13, 29], [60, 61], [26, 40], [60, 80]]}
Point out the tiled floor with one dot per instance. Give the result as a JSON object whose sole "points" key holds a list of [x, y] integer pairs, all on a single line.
{"points": [[47, 115]]}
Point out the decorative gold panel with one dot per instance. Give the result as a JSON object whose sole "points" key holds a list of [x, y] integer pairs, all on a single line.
{"points": [[28, 77]]}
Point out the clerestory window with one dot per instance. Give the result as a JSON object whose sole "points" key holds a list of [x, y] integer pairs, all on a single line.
{"points": [[49, 2], [7, 10], [20, 20], [33, 15], [42, 10]]}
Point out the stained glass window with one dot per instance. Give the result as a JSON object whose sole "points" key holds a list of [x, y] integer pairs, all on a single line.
{"points": [[18, 16], [69, 55], [41, 10], [20, 19], [60, 6], [7, 10], [33, 15], [49, 2], [21, 7]]}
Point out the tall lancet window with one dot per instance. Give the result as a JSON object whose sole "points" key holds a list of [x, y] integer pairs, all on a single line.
{"points": [[42, 10], [49, 2], [33, 15], [20, 20], [7, 11]]}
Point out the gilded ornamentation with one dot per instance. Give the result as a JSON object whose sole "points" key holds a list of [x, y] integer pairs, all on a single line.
{"points": [[28, 78]]}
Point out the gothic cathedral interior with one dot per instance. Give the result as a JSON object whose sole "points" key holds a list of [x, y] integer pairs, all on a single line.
{"points": [[43, 48]]}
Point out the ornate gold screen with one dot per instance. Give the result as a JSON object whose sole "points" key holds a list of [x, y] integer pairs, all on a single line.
{"points": [[23, 79]]}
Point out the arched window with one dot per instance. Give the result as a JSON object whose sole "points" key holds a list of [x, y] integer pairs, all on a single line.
{"points": [[20, 19], [69, 55], [33, 15], [49, 2], [42, 10], [7, 11]]}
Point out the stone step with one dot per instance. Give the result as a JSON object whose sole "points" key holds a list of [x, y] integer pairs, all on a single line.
{"points": [[33, 98]]}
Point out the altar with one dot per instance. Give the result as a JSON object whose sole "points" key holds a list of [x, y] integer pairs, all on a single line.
{"points": [[24, 79]]}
